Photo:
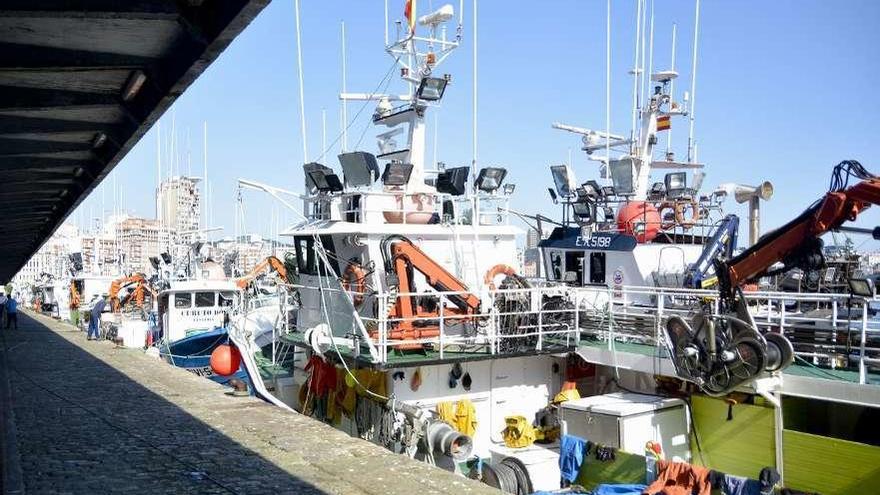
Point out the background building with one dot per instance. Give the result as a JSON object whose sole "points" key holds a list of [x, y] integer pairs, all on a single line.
{"points": [[139, 239], [178, 204]]}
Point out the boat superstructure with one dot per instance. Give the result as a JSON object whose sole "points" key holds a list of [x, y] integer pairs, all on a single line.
{"points": [[408, 322]]}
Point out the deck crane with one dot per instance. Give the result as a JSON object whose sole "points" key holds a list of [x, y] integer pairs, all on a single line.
{"points": [[139, 293], [721, 352], [271, 263], [417, 317]]}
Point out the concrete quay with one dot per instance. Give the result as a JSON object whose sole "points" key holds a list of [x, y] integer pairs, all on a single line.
{"points": [[85, 417]]}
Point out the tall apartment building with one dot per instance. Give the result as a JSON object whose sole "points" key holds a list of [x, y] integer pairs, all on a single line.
{"points": [[178, 204]]}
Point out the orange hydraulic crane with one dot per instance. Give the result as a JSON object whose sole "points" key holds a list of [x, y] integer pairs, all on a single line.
{"points": [[797, 243], [418, 316], [139, 293], [722, 351], [270, 263]]}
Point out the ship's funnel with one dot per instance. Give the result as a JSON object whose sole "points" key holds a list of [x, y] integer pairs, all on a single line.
{"points": [[744, 193]]}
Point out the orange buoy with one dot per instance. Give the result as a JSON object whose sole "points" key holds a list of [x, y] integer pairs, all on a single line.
{"points": [[225, 360], [639, 219]]}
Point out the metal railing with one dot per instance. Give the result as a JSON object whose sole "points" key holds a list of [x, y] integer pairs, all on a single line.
{"points": [[836, 331], [510, 321], [398, 207]]}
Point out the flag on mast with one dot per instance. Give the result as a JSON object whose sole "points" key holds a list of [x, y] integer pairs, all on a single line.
{"points": [[663, 123], [410, 12]]}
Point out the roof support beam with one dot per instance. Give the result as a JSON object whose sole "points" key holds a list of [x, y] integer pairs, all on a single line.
{"points": [[17, 98]]}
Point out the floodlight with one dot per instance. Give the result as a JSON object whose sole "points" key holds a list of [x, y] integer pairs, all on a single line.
{"points": [[553, 195], [311, 186], [166, 258], [564, 180], [431, 88], [324, 181], [154, 260], [509, 188], [591, 189], [490, 178], [623, 176], [76, 259], [676, 183], [452, 181], [861, 287], [584, 211], [359, 168], [397, 174], [608, 191], [658, 188]]}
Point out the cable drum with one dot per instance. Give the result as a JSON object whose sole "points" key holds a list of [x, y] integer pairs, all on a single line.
{"points": [[513, 477]]}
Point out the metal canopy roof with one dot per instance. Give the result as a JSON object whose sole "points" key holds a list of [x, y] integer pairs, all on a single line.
{"points": [[80, 82]]}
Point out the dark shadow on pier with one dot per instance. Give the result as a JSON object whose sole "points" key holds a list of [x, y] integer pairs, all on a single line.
{"points": [[82, 426]]}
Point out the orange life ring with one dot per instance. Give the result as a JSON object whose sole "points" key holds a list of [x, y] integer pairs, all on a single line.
{"points": [[667, 205], [679, 213], [499, 269], [354, 275]]}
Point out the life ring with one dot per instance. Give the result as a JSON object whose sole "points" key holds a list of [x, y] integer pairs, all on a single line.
{"points": [[667, 205], [354, 275], [679, 213], [500, 269]]}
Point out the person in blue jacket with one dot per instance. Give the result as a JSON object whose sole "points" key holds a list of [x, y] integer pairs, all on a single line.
{"points": [[11, 312], [95, 319]]}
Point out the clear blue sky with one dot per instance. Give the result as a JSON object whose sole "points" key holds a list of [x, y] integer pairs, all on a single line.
{"points": [[785, 90]]}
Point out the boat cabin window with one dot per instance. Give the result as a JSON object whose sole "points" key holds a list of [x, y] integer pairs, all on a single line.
{"points": [[306, 262], [205, 299], [556, 267], [225, 299], [182, 300], [574, 267], [597, 268], [307, 259]]}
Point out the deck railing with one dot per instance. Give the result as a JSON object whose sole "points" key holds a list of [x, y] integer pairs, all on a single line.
{"points": [[826, 330]]}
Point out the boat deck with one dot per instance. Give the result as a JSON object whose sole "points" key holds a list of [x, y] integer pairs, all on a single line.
{"points": [[801, 379], [426, 357], [86, 417]]}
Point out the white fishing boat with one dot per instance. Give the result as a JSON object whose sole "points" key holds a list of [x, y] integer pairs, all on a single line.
{"points": [[414, 329]]}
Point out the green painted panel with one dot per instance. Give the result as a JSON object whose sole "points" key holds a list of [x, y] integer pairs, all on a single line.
{"points": [[830, 466], [741, 446], [626, 468]]}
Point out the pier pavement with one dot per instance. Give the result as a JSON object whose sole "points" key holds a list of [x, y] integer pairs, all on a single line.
{"points": [[85, 417]]}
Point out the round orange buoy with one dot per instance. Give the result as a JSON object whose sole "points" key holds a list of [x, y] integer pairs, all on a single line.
{"points": [[639, 219], [225, 360]]}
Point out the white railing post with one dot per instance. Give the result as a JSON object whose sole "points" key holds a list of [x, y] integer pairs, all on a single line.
{"points": [[442, 325], [661, 301], [833, 362], [540, 329], [863, 371]]}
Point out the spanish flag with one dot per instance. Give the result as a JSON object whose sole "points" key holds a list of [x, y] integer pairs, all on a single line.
{"points": [[410, 12], [663, 123]]}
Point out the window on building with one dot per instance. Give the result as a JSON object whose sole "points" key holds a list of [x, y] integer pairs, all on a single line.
{"points": [[182, 300]]}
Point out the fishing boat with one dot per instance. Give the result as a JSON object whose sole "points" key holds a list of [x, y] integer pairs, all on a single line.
{"points": [[647, 335]]}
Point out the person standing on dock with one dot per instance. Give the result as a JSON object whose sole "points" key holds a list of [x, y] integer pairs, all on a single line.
{"points": [[95, 318], [11, 312]]}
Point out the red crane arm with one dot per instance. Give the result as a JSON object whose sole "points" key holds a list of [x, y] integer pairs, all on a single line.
{"points": [[791, 239], [437, 276]]}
